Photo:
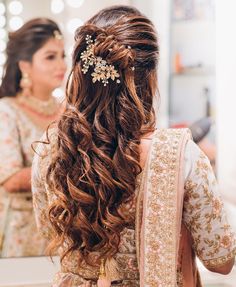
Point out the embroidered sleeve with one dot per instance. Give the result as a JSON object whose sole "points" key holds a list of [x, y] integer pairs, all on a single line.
{"points": [[204, 214], [40, 197], [11, 160]]}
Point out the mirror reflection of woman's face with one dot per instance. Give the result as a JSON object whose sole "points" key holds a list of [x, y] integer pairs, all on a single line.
{"points": [[48, 65]]}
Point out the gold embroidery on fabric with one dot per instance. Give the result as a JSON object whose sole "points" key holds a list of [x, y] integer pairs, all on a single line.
{"points": [[205, 210], [162, 210], [160, 226], [221, 260]]}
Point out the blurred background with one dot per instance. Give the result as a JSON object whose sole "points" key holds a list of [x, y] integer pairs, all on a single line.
{"points": [[196, 84]]}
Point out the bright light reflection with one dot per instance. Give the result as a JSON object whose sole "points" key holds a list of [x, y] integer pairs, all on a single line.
{"points": [[70, 50], [57, 6], [75, 3], [73, 24], [2, 21], [59, 94], [1, 74], [2, 45], [3, 33], [2, 9], [2, 59], [15, 23], [15, 7]]}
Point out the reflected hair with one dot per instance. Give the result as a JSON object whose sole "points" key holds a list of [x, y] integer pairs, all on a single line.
{"points": [[96, 162], [22, 45]]}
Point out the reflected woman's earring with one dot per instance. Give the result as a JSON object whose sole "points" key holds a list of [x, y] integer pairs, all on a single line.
{"points": [[26, 84]]}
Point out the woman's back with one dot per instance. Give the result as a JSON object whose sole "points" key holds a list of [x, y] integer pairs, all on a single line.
{"points": [[202, 212]]}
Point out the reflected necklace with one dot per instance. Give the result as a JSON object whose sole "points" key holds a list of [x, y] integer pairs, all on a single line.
{"points": [[37, 106]]}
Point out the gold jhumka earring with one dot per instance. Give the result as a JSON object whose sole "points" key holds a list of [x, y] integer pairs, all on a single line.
{"points": [[26, 84]]}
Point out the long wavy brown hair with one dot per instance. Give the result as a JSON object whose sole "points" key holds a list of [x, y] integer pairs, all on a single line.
{"points": [[93, 173]]}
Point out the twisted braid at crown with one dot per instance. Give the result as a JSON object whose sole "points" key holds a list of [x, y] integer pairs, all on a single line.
{"points": [[97, 158]]}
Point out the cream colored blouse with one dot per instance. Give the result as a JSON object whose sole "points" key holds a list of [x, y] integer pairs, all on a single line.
{"points": [[18, 232]]}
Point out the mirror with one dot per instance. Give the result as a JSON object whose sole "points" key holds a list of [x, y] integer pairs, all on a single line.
{"points": [[19, 128], [22, 120], [187, 71]]}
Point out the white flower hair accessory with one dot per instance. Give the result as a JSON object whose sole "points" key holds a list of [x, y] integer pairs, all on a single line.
{"points": [[102, 70]]}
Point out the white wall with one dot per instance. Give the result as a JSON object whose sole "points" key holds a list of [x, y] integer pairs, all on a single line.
{"points": [[226, 95], [188, 88]]}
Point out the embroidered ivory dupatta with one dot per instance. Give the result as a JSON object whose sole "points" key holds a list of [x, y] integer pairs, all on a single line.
{"points": [[159, 210]]}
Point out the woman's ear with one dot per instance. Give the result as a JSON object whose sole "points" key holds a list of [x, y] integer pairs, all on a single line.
{"points": [[24, 66]]}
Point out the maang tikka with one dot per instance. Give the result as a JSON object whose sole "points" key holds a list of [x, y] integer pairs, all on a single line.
{"points": [[102, 70]]}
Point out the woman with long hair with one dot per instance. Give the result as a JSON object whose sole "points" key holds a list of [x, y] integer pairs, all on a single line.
{"points": [[112, 192], [35, 66]]}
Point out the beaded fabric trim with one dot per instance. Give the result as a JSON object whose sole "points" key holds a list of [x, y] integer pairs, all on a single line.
{"points": [[158, 243]]}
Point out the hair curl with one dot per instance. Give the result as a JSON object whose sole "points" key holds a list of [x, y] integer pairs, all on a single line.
{"points": [[93, 174]]}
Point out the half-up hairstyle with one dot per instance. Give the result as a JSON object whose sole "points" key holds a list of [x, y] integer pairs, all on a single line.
{"points": [[93, 173], [22, 44]]}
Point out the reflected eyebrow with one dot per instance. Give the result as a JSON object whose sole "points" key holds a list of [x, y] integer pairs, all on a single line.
{"points": [[50, 52], [53, 52]]}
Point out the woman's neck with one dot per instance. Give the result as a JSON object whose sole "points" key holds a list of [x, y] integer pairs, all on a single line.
{"points": [[41, 93]]}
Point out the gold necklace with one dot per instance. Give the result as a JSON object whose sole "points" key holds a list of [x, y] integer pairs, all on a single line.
{"points": [[35, 105]]}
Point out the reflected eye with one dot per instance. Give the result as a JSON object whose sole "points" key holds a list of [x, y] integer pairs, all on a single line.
{"points": [[51, 57]]}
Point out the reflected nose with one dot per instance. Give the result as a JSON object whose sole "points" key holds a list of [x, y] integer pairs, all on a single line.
{"points": [[63, 64]]}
